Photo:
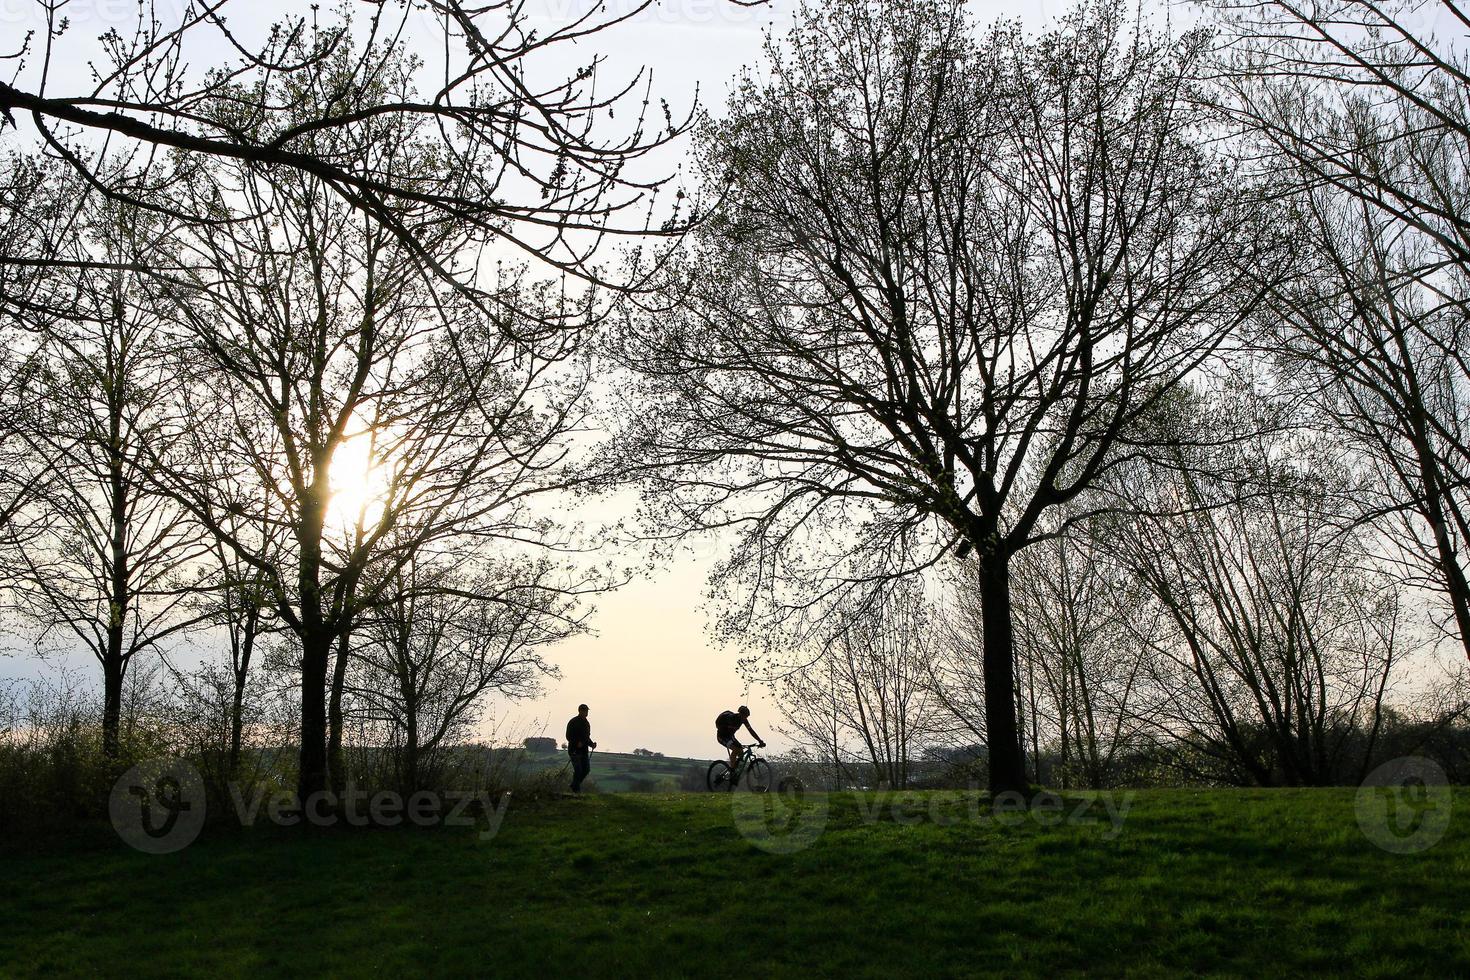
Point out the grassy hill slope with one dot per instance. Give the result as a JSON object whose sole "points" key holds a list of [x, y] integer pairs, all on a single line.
{"points": [[1228, 882], [623, 772]]}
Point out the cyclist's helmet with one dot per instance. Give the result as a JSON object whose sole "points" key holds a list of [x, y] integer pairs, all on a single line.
{"points": [[744, 711]]}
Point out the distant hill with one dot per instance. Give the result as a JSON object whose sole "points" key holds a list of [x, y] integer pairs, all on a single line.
{"points": [[622, 772]]}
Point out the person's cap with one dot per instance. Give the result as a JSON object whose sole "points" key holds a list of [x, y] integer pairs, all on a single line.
{"points": [[744, 710], [581, 707]]}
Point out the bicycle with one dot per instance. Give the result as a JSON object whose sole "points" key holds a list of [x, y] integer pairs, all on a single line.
{"points": [[753, 768]]}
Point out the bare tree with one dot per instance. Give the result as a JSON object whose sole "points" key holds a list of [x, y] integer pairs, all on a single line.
{"points": [[1359, 108], [354, 402], [949, 275], [1283, 634], [235, 597], [103, 557], [1384, 360], [868, 688], [444, 640]]}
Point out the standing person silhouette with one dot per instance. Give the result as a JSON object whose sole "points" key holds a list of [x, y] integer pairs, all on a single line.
{"points": [[579, 742]]}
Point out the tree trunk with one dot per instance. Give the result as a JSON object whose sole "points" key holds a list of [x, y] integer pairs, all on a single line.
{"points": [[316, 644], [1455, 583], [112, 681], [316, 647], [411, 751], [114, 663], [242, 677], [336, 765], [1434, 490], [236, 726], [1007, 764]]}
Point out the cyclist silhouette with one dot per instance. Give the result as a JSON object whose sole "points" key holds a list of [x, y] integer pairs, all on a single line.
{"points": [[727, 725]]}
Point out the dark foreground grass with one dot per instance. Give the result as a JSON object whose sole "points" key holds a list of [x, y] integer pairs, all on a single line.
{"points": [[1231, 883]]}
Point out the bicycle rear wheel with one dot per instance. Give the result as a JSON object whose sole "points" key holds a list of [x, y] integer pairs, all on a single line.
{"points": [[758, 776], [718, 777]]}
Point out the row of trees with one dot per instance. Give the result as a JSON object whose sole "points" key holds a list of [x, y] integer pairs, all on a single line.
{"points": [[1145, 346]]}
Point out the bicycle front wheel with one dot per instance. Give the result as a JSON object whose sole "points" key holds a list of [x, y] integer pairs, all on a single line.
{"points": [[758, 776], [719, 776]]}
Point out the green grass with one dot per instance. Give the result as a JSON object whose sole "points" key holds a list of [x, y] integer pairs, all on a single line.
{"points": [[1215, 882], [619, 772]]}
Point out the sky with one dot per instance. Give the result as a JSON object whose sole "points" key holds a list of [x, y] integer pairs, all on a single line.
{"points": [[648, 670], [650, 675]]}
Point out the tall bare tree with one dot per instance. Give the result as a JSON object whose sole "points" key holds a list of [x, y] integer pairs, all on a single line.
{"points": [[103, 557], [1282, 634], [356, 402], [949, 275], [235, 597]]}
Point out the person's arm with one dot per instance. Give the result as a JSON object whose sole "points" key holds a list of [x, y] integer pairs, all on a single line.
{"points": [[753, 734]]}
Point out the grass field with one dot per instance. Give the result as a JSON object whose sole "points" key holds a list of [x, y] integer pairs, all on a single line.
{"points": [[1217, 882]]}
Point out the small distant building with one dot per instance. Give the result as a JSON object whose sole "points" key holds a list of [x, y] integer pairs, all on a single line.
{"points": [[540, 745]]}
